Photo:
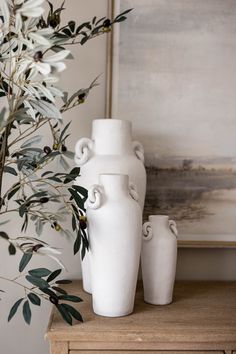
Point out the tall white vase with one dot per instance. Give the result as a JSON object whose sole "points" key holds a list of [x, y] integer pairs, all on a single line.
{"points": [[110, 150], [115, 229], [158, 259]]}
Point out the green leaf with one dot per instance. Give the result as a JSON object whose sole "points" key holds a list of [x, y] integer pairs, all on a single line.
{"points": [[69, 154], [73, 221], [80, 27], [77, 243], [27, 312], [63, 131], [11, 249], [25, 260], [67, 32], [72, 175], [65, 314], [47, 109], [55, 179], [120, 19], [14, 309], [35, 299], [46, 173], [11, 170], [40, 272], [4, 222], [51, 6], [73, 312], [13, 191], [81, 190], [94, 20], [37, 195], [22, 210], [75, 171], [53, 275], [63, 281], [83, 251], [72, 25], [64, 163], [84, 40], [49, 292], [4, 235], [124, 13], [57, 48], [3, 111], [39, 282], [100, 20], [33, 140], [79, 201], [71, 298], [59, 290], [25, 223], [85, 239]]}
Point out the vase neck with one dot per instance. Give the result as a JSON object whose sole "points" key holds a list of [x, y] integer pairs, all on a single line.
{"points": [[160, 221], [112, 137], [115, 185]]}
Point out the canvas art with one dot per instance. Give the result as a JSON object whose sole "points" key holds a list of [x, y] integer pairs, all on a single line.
{"points": [[174, 77]]}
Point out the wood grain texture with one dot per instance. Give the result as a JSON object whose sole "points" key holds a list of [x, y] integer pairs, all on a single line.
{"points": [[201, 317], [59, 347], [206, 244], [145, 352]]}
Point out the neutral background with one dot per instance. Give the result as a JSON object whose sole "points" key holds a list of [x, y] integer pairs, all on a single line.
{"points": [[90, 61]]}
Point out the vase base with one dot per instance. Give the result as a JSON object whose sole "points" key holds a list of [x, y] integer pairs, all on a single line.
{"points": [[158, 303], [106, 314], [87, 289]]}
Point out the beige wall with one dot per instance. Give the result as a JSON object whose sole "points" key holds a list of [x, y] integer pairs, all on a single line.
{"points": [[17, 337], [90, 61]]}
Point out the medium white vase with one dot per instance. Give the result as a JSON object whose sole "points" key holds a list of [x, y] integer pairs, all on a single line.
{"points": [[115, 231], [158, 259], [110, 150]]}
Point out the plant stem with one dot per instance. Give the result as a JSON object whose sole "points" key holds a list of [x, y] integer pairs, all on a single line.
{"points": [[3, 152], [23, 286], [27, 132]]}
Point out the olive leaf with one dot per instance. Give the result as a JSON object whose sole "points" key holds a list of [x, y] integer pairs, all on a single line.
{"points": [[35, 299], [27, 312], [24, 261], [14, 309]]}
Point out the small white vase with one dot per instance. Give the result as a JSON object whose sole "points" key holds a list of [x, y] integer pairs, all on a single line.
{"points": [[158, 259], [115, 232], [110, 150]]}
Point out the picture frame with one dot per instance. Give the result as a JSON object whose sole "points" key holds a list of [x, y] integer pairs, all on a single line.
{"points": [[210, 179]]}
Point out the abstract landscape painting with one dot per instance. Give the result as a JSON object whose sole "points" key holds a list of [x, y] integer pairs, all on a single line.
{"points": [[175, 79]]}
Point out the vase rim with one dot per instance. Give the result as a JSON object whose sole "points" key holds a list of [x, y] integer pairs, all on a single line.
{"points": [[159, 216], [113, 175], [113, 120]]}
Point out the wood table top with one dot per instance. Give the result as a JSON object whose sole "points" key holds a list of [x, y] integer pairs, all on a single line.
{"points": [[203, 312]]}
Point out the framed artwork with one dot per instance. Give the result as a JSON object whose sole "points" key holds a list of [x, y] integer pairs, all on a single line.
{"points": [[172, 72]]}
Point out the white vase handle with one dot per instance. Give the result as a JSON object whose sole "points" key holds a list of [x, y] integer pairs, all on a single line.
{"points": [[173, 227], [138, 150], [94, 200], [133, 192], [147, 231], [83, 151]]}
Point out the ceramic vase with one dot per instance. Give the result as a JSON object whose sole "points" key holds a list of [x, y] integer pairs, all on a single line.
{"points": [[158, 259], [110, 150], [115, 231]]}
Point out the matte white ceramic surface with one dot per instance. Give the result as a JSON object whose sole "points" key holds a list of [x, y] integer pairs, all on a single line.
{"points": [[158, 259], [115, 229], [110, 150]]}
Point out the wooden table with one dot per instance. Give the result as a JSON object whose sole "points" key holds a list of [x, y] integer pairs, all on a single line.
{"points": [[202, 319]]}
